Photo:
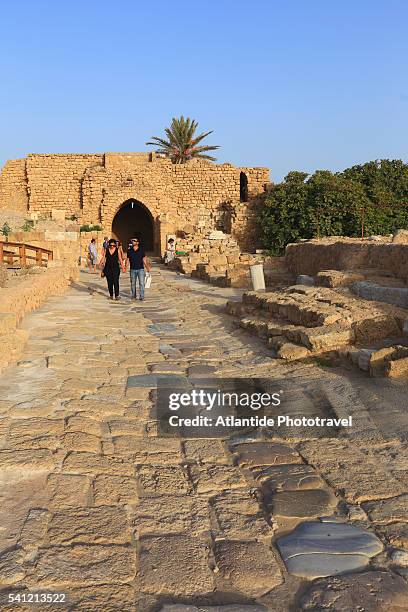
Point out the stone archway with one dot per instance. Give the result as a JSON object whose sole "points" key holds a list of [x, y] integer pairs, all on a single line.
{"points": [[134, 220]]}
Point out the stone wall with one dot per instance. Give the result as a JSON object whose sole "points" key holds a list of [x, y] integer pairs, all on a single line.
{"points": [[55, 181], [13, 185], [64, 245], [312, 256], [19, 299], [94, 187]]}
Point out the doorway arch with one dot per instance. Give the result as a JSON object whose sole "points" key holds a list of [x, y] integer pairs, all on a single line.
{"points": [[134, 220], [243, 187]]}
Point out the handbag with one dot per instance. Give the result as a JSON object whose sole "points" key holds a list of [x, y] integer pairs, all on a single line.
{"points": [[148, 280]]}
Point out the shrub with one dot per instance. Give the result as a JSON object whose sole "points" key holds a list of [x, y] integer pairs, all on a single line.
{"points": [[362, 200], [90, 228], [6, 229], [28, 225]]}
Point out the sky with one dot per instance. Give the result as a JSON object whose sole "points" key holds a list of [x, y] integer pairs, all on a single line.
{"points": [[291, 85]]}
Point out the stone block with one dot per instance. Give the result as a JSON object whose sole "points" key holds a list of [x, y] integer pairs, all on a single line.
{"points": [[292, 477], [292, 352], [307, 503], [237, 516], [347, 469], [85, 565], [304, 279], [371, 591], [211, 478], [184, 572], [182, 514], [58, 215], [167, 480], [337, 278], [387, 511], [251, 567], [101, 525], [68, 490], [108, 489], [318, 549], [397, 367], [400, 236], [252, 454], [398, 296]]}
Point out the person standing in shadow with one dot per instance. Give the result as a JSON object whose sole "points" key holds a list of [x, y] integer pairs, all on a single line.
{"points": [[111, 264]]}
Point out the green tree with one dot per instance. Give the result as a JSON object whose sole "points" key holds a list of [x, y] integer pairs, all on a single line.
{"points": [[282, 219], [182, 143], [385, 181], [363, 200], [336, 206]]}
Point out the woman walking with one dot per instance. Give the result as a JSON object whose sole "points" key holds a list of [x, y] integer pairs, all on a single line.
{"points": [[111, 263]]}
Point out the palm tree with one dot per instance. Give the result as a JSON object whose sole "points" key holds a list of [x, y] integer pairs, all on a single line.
{"points": [[182, 142]]}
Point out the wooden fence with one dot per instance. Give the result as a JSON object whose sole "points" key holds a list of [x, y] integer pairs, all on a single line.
{"points": [[12, 253]]}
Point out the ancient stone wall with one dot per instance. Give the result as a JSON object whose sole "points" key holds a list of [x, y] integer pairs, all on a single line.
{"points": [[55, 181], [94, 188], [13, 185], [312, 256]]}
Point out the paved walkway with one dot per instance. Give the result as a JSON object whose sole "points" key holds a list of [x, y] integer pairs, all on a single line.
{"points": [[95, 505]]}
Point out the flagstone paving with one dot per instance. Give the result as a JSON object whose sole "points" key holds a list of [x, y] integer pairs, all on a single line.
{"points": [[95, 504]]}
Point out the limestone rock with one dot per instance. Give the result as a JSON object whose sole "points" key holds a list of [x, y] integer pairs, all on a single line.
{"points": [[174, 515], [301, 504], [162, 480], [250, 567], [183, 572], [109, 489], [400, 236], [11, 566], [85, 564], [366, 591], [101, 525], [264, 454], [388, 510], [289, 478], [237, 516], [209, 478], [291, 352], [318, 549]]}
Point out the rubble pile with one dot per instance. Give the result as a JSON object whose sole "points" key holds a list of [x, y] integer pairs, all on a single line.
{"points": [[299, 321], [217, 259]]}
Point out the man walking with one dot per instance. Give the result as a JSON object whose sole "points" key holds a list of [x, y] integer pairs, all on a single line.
{"points": [[136, 257], [92, 256]]}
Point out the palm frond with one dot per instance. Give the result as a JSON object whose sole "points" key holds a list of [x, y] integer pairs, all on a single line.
{"points": [[181, 144]]}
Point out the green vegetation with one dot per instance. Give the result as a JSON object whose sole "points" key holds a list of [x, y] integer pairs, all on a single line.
{"points": [[6, 229], [182, 142], [90, 228], [363, 200], [28, 225]]}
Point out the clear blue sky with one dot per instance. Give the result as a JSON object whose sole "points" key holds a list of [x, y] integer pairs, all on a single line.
{"points": [[296, 84]]}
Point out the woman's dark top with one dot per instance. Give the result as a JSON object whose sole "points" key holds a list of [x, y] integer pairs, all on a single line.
{"points": [[111, 262]]}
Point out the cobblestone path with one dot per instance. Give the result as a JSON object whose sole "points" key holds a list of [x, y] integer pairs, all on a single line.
{"points": [[95, 505]]}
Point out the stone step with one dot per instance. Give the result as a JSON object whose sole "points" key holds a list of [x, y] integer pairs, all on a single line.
{"points": [[300, 312]]}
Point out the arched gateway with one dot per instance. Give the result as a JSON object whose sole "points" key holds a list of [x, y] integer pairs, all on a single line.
{"points": [[130, 193], [134, 220]]}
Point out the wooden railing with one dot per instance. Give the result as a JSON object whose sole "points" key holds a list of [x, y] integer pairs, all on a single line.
{"points": [[24, 254]]}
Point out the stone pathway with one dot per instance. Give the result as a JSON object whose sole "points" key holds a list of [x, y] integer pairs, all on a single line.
{"points": [[95, 505]]}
